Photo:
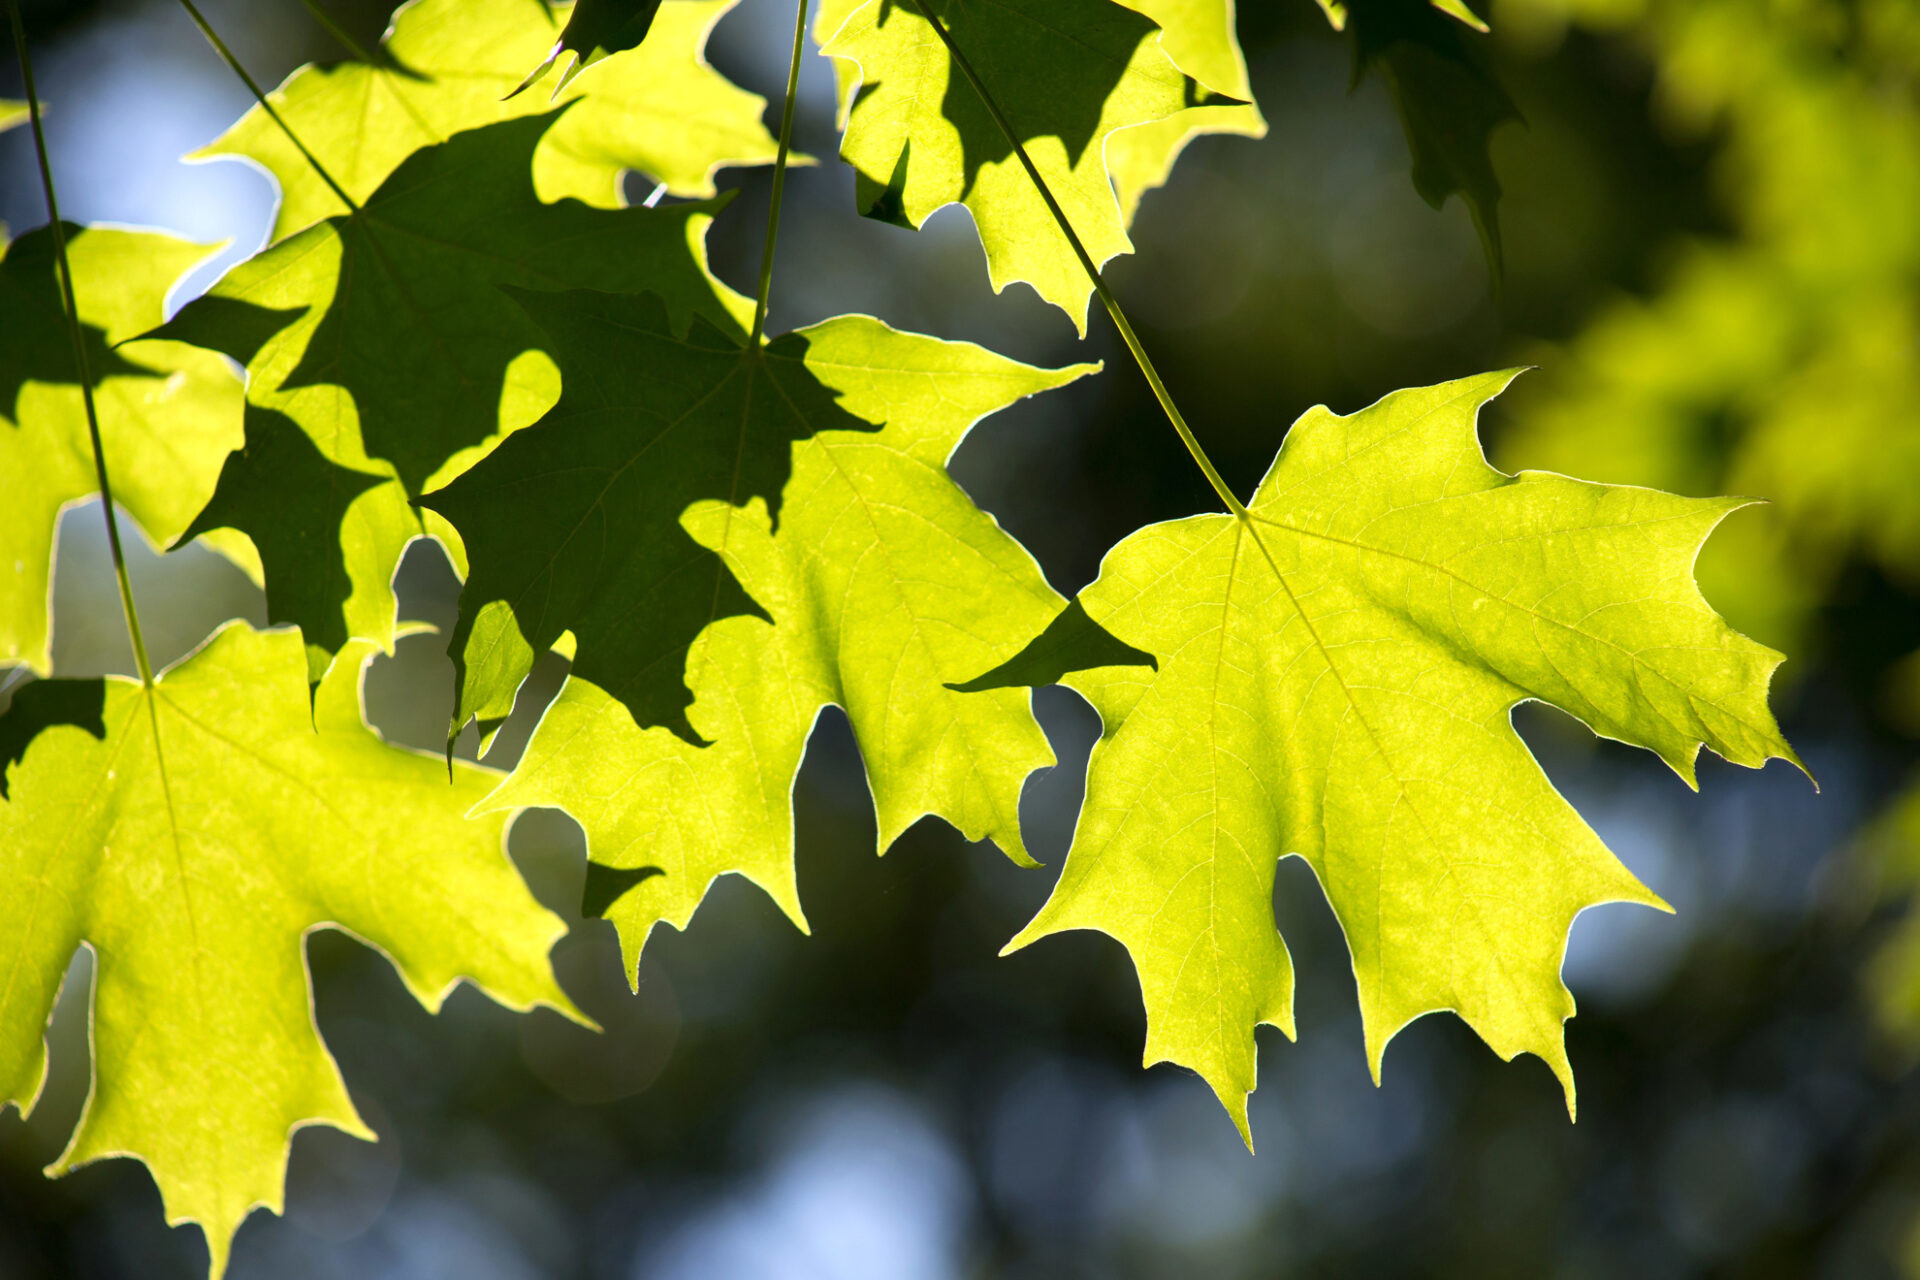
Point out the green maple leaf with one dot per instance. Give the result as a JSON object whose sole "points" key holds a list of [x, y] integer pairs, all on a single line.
{"points": [[880, 582], [447, 66], [1448, 100], [418, 368], [1067, 74], [1335, 676], [193, 835], [168, 413], [573, 525], [1199, 36]]}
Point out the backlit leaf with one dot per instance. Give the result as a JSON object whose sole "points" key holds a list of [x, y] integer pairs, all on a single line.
{"points": [[1066, 73], [192, 836], [168, 413], [1199, 36], [1335, 678]]}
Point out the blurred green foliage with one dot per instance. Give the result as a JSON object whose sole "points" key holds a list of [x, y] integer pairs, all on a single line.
{"points": [[1782, 360]]}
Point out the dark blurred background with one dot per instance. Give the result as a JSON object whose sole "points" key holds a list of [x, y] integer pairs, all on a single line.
{"points": [[888, 1099]]}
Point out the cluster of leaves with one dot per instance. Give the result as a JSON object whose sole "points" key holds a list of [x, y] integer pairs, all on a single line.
{"points": [[459, 330]]}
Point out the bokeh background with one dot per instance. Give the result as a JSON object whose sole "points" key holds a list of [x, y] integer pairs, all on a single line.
{"points": [[1712, 219]]}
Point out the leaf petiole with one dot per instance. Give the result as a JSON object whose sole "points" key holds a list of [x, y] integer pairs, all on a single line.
{"points": [[1112, 304], [81, 371], [259, 96], [779, 178]]}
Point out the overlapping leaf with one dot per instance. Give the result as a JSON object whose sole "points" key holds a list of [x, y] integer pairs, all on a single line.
{"points": [[168, 413], [386, 338], [1068, 74], [1334, 679], [573, 525], [880, 582], [449, 65], [193, 835]]}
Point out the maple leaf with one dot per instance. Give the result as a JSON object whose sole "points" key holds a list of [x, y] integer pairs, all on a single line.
{"points": [[413, 372], [881, 581], [168, 413], [193, 834], [1067, 74], [1334, 679], [446, 67], [1199, 36], [1448, 101]]}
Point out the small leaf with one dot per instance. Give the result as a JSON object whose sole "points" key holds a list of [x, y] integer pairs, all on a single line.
{"points": [[1067, 74], [1335, 680], [168, 414], [193, 836]]}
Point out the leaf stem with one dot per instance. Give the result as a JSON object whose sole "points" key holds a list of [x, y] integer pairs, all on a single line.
{"points": [[1107, 299], [338, 32], [779, 178], [259, 96], [75, 335]]}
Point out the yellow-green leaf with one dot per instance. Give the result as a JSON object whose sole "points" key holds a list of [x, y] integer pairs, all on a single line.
{"points": [[1335, 678], [882, 582], [1199, 36], [1067, 74], [168, 413], [449, 65], [192, 836]]}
